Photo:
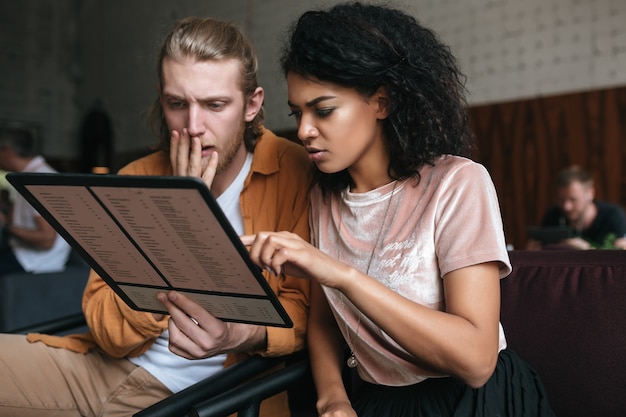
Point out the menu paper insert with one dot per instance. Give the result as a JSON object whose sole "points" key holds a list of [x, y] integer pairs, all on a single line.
{"points": [[148, 239]]}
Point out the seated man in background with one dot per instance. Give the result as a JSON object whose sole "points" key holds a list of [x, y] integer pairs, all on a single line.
{"points": [[594, 224], [30, 244], [209, 118]]}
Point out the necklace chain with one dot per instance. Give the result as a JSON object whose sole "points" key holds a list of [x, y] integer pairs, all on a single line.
{"points": [[352, 362]]}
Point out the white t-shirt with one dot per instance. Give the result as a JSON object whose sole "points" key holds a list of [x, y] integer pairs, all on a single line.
{"points": [[33, 259], [176, 372], [449, 221]]}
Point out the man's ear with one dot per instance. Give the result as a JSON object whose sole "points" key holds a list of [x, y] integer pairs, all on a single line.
{"points": [[382, 101], [254, 104], [159, 92]]}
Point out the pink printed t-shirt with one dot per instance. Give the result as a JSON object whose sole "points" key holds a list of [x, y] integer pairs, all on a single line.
{"points": [[450, 220]]}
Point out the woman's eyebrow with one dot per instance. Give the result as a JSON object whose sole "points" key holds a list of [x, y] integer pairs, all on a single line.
{"points": [[312, 102]]}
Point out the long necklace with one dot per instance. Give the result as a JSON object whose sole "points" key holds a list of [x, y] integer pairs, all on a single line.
{"points": [[352, 362]]}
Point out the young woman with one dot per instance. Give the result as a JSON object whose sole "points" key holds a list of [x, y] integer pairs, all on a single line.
{"points": [[408, 247]]}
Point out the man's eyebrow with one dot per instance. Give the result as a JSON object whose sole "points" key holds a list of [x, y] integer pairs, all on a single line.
{"points": [[201, 99], [171, 95], [312, 102]]}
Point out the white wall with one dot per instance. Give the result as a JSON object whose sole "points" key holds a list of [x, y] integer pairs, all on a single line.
{"points": [[512, 49], [509, 49]]}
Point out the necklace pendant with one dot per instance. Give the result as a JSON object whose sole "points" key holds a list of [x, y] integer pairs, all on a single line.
{"points": [[351, 362]]}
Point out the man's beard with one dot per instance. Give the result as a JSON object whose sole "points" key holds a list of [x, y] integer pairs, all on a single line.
{"points": [[227, 154]]}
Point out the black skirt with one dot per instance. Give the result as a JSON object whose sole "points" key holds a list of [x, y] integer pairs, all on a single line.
{"points": [[514, 390]]}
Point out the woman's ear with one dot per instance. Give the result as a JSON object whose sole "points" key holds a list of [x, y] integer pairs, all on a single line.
{"points": [[382, 101], [254, 104]]}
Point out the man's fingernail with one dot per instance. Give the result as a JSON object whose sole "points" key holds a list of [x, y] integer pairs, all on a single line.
{"points": [[271, 271]]}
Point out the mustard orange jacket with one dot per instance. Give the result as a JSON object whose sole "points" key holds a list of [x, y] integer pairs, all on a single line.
{"points": [[275, 197]]}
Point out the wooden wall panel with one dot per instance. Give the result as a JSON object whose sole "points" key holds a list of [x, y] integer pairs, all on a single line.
{"points": [[523, 144]]}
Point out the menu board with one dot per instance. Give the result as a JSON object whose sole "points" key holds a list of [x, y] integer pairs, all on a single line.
{"points": [[149, 234]]}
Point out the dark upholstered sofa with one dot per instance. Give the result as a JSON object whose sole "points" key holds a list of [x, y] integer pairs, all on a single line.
{"points": [[27, 299], [564, 311]]}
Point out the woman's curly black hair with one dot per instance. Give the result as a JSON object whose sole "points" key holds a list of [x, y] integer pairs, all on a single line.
{"points": [[368, 46]]}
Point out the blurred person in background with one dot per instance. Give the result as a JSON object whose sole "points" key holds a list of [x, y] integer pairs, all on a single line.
{"points": [[594, 224], [29, 244]]}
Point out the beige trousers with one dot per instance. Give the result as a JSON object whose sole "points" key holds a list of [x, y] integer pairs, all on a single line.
{"points": [[37, 380]]}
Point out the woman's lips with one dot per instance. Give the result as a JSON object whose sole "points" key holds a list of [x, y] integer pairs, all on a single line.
{"points": [[316, 155]]}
